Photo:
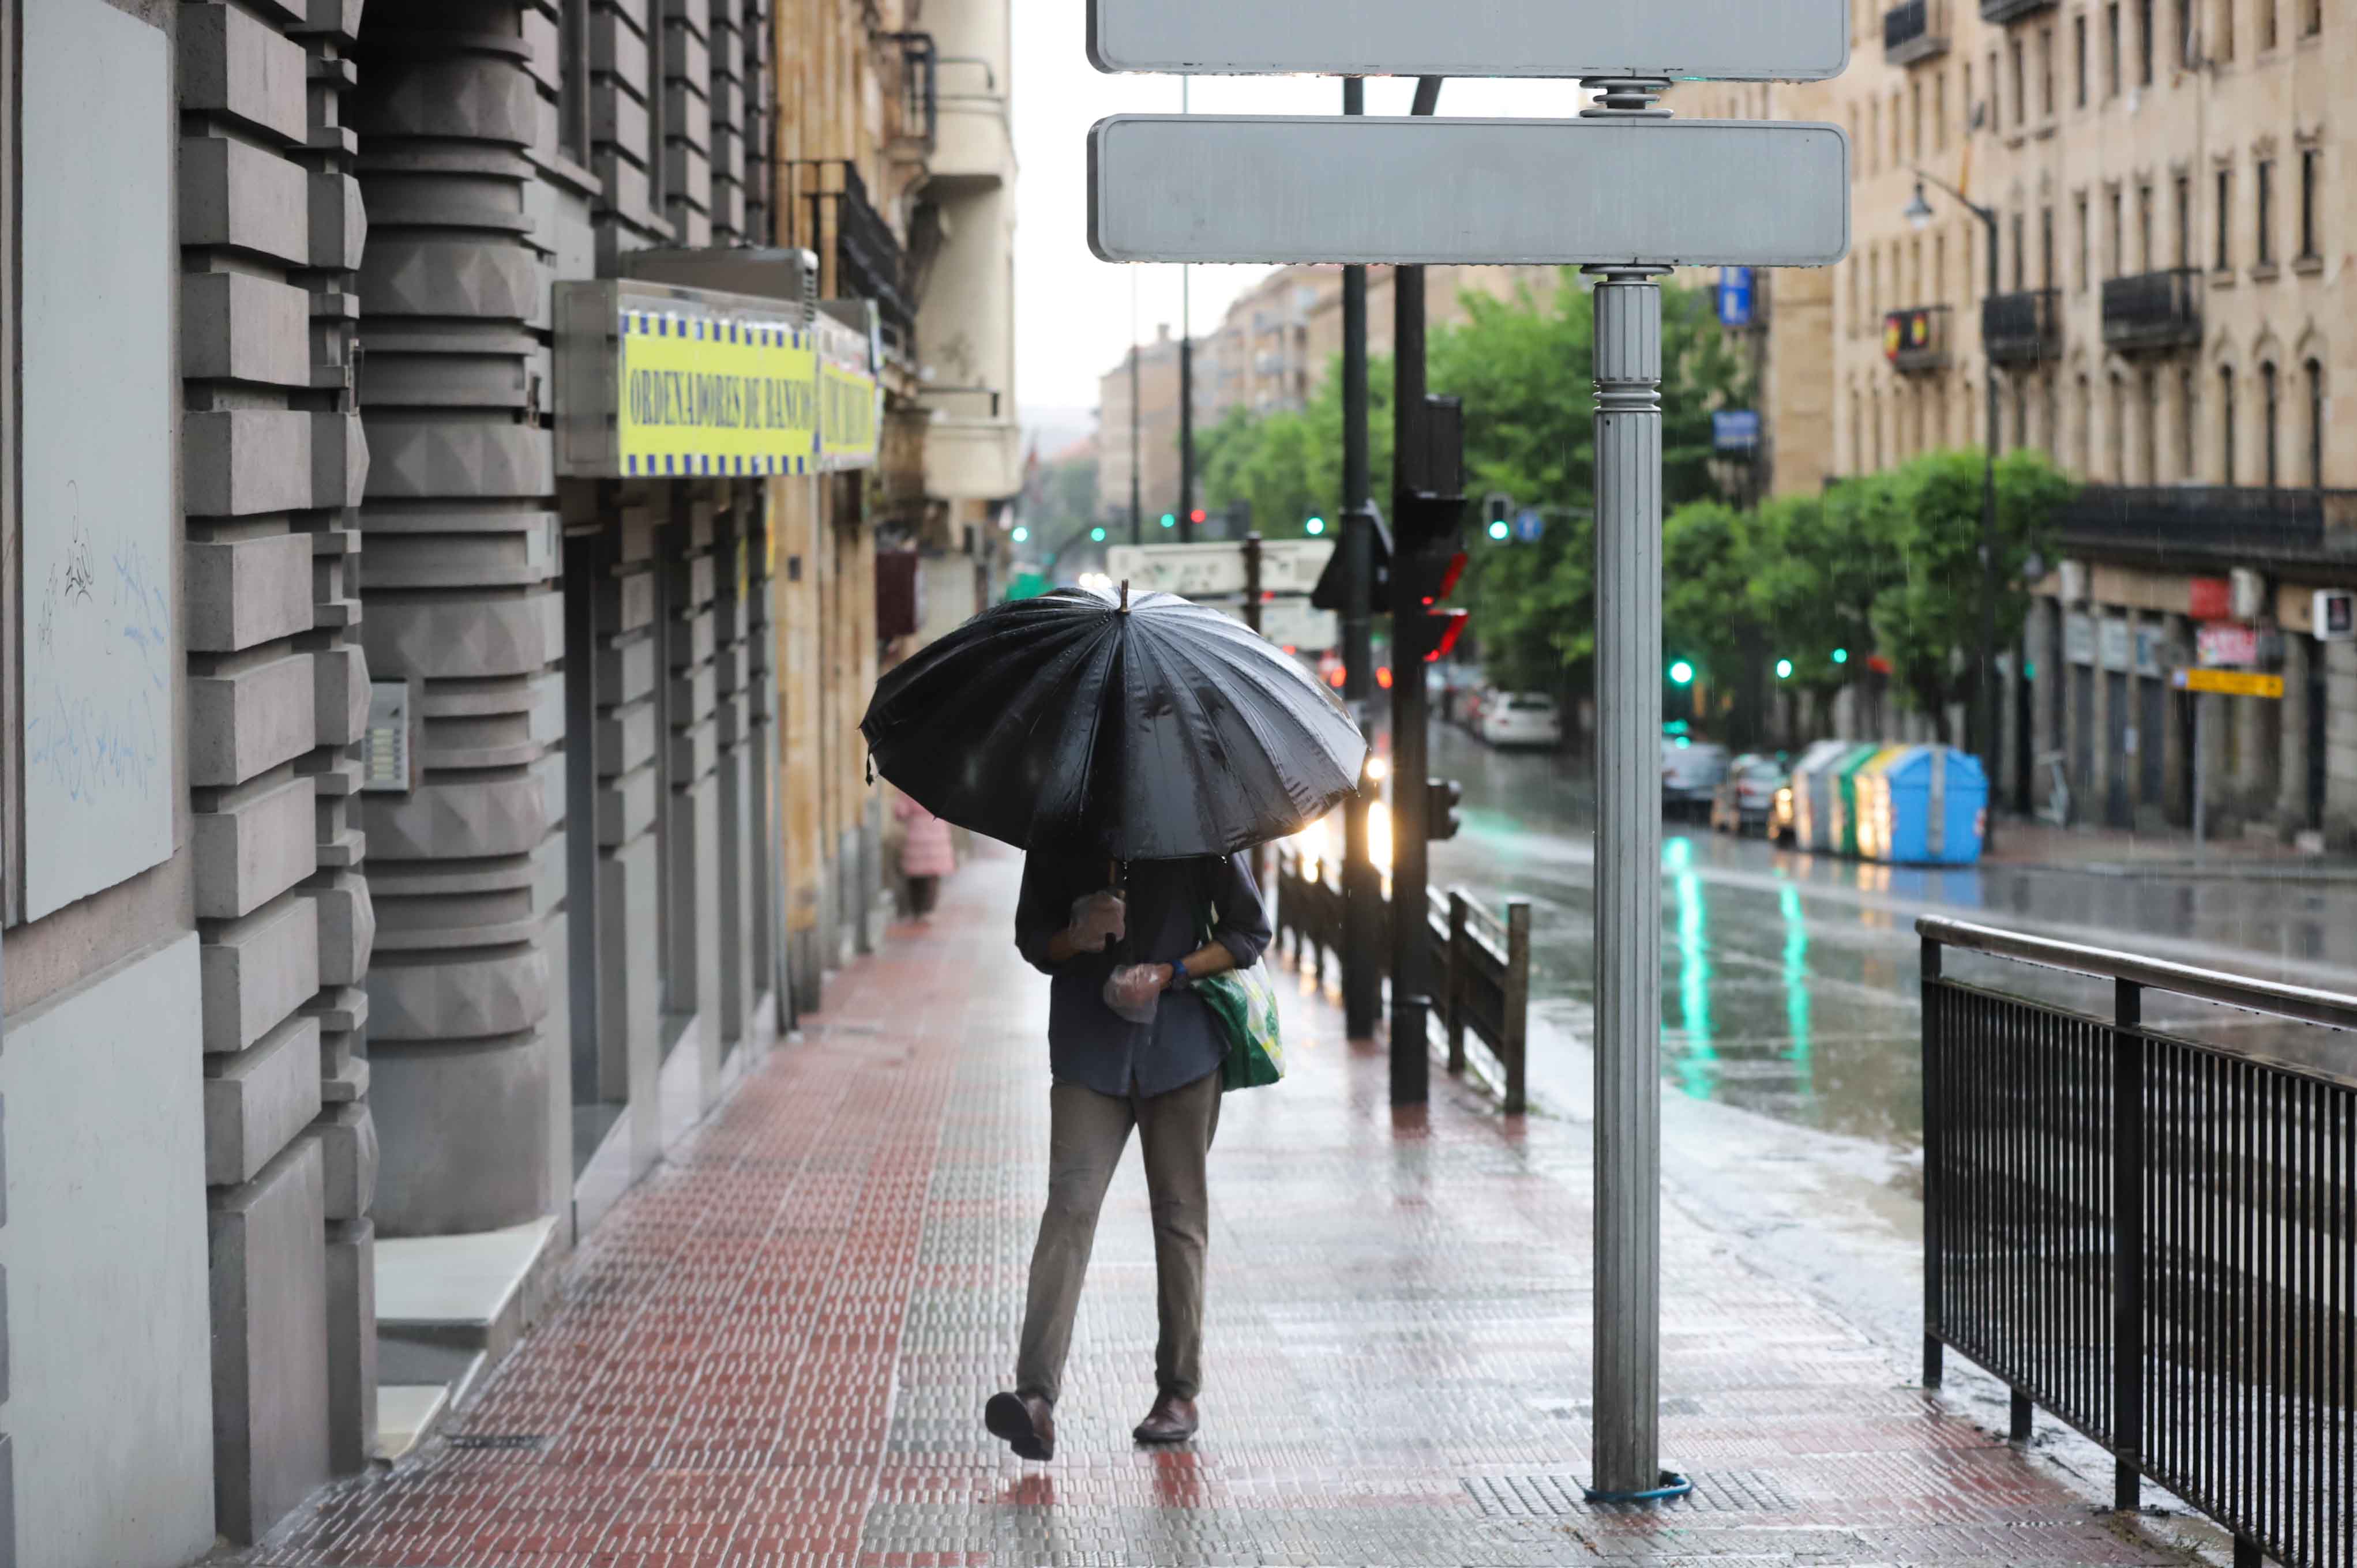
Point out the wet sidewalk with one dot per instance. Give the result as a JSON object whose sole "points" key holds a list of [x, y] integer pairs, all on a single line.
{"points": [[776, 1350]]}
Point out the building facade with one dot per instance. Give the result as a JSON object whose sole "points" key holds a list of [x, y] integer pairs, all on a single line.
{"points": [[2170, 274], [441, 521]]}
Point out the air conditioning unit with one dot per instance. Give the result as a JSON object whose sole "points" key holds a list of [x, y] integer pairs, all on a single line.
{"points": [[771, 271], [2333, 616], [2250, 594]]}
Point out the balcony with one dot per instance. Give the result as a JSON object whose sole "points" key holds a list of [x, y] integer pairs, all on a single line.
{"points": [[2236, 525], [974, 148], [2001, 12], [2023, 328], [2153, 310], [868, 259], [1913, 32], [1916, 339]]}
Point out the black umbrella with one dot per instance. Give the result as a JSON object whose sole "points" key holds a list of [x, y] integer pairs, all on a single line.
{"points": [[1154, 732]]}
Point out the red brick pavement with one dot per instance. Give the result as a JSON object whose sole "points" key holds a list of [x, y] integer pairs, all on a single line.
{"points": [[776, 1350]]}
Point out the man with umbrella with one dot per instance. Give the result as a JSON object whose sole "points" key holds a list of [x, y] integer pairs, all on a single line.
{"points": [[1112, 1072], [1133, 751]]}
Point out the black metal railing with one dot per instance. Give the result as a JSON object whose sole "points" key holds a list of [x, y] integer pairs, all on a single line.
{"points": [[2022, 327], [1481, 963], [869, 261], [2002, 11], [915, 109], [2205, 521], [1916, 338], [2154, 1238], [2153, 310], [1911, 32]]}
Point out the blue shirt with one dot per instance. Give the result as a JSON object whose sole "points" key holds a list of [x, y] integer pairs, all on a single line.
{"points": [[1171, 904]]}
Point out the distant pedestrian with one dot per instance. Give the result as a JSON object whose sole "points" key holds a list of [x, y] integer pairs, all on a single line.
{"points": [[1129, 1044], [926, 855]]}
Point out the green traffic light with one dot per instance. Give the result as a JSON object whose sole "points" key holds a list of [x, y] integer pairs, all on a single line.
{"points": [[1783, 669], [1097, 534], [1169, 521], [1498, 529], [1841, 655], [1021, 534], [1682, 673], [1316, 525]]}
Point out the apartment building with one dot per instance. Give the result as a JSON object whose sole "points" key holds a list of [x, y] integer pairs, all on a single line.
{"points": [[439, 505], [2163, 189]]}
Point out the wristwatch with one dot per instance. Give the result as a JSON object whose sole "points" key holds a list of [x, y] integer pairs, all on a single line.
{"points": [[1179, 979]]}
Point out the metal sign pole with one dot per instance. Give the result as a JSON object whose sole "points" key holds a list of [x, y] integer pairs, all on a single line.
{"points": [[1361, 893], [1627, 1440]]}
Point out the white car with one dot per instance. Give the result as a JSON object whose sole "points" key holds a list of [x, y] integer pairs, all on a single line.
{"points": [[1522, 718], [1691, 771]]}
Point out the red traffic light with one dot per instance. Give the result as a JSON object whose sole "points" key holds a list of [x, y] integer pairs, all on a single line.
{"points": [[1451, 626], [1197, 515], [1448, 579]]}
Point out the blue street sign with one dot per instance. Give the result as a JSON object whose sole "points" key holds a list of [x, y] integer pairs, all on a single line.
{"points": [[1735, 296], [1529, 526], [1735, 430]]}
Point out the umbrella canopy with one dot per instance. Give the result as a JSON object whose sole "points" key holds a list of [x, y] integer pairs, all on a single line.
{"points": [[1157, 732]]}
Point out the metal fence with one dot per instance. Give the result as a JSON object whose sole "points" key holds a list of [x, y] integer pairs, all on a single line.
{"points": [[2155, 1239], [1481, 963]]}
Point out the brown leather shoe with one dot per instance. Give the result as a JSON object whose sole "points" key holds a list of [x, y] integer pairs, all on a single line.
{"points": [[1172, 1419], [1024, 1423]]}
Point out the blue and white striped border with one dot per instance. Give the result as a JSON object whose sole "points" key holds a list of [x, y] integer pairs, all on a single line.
{"points": [[706, 329], [696, 465]]}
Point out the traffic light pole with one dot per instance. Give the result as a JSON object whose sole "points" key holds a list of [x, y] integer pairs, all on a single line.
{"points": [[1627, 304], [1362, 889], [1411, 1051]]}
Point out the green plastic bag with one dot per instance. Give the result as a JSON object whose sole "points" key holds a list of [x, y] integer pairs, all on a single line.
{"points": [[1245, 1008], [1243, 1005]]}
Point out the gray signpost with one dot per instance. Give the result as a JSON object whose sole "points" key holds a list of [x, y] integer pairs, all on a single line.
{"points": [[1625, 192]]}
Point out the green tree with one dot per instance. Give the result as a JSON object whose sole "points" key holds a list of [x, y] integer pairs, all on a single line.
{"points": [[1927, 622], [1524, 367], [1817, 566]]}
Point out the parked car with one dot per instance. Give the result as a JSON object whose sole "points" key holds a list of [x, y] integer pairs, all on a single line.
{"points": [[1691, 770], [1470, 704], [1523, 718], [1745, 797]]}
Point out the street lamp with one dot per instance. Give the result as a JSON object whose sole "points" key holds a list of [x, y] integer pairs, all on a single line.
{"points": [[1919, 213]]}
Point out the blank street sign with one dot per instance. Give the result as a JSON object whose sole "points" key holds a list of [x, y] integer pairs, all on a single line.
{"points": [[1731, 40], [1204, 188]]}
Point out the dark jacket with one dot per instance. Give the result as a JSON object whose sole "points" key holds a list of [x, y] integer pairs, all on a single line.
{"points": [[1170, 903]]}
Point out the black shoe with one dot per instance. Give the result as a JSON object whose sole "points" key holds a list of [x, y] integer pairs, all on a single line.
{"points": [[1172, 1419], [1024, 1423]]}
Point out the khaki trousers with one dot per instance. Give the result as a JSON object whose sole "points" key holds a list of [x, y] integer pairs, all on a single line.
{"points": [[1088, 1133]]}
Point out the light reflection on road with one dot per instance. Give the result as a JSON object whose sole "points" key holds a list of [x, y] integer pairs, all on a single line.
{"points": [[1790, 981]]}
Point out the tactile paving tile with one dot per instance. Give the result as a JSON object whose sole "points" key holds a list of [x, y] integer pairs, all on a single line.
{"points": [[776, 1350]]}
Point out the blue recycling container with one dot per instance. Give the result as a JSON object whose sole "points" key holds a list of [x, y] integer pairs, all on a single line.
{"points": [[1926, 805]]}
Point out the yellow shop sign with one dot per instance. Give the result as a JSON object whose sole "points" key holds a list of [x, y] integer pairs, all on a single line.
{"points": [[846, 412], [703, 395]]}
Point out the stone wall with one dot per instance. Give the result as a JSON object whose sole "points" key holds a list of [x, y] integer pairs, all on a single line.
{"points": [[273, 460]]}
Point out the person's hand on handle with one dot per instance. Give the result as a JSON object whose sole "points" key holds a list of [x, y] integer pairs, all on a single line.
{"points": [[1098, 920]]}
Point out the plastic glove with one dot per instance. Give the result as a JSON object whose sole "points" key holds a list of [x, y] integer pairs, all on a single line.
{"points": [[1098, 920], [1134, 990]]}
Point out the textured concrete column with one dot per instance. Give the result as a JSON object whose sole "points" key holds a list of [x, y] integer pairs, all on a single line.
{"points": [[2292, 770], [2044, 640], [2340, 743], [345, 1131], [2258, 735], [2175, 734], [2101, 765], [463, 545]]}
